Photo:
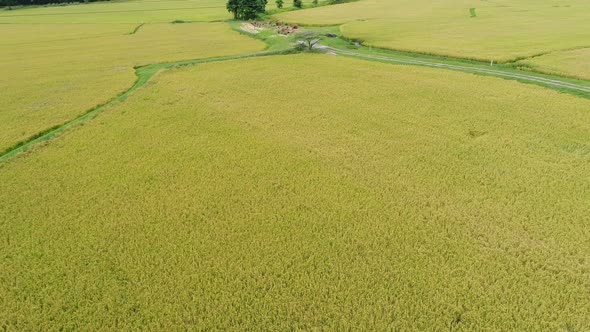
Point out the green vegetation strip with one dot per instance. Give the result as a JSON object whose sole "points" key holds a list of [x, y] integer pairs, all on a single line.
{"points": [[144, 74]]}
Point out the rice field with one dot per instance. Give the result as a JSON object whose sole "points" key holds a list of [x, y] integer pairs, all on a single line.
{"points": [[500, 30], [572, 63], [53, 72], [135, 11], [356, 196], [130, 12]]}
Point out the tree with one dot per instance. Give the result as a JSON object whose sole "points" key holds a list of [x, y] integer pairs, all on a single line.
{"points": [[246, 9], [315, 2], [251, 8], [297, 3], [233, 7], [279, 4], [308, 39]]}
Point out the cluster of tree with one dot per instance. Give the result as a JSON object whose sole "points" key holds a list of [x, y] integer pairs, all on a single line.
{"points": [[9, 3], [299, 3], [246, 9], [249, 9]]}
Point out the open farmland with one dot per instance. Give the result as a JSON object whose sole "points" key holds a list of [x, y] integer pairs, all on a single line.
{"points": [[134, 11], [139, 11], [58, 62], [572, 63], [501, 30], [165, 168], [52, 78], [368, 196]]}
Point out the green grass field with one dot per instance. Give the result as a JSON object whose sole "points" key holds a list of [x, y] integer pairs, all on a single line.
{"points": [[357, 195], [502, 30]]}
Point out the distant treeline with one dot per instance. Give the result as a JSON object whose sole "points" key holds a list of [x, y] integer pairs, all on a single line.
{"points": [[8, 3]]}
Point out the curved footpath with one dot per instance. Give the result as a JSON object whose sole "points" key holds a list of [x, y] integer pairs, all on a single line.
{"points": [[145, 73]]}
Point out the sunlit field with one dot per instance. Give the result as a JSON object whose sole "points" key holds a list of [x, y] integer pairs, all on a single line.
{"points": [[219, 188], [140, 11], [133, 11], [501, 30], [573, 63], [339, 195], [52, 73]]}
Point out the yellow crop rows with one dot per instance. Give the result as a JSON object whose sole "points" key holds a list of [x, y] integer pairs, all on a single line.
{"points": [[303, 192]]}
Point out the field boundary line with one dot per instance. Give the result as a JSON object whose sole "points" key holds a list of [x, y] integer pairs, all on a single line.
{"points": [[136, 29]]}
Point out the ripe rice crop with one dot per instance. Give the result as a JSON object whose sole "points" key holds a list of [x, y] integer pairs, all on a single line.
{"points": [[573, 63], [502, 31], [337, 194], [52, 73], [128, 12], [137, 11]]}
